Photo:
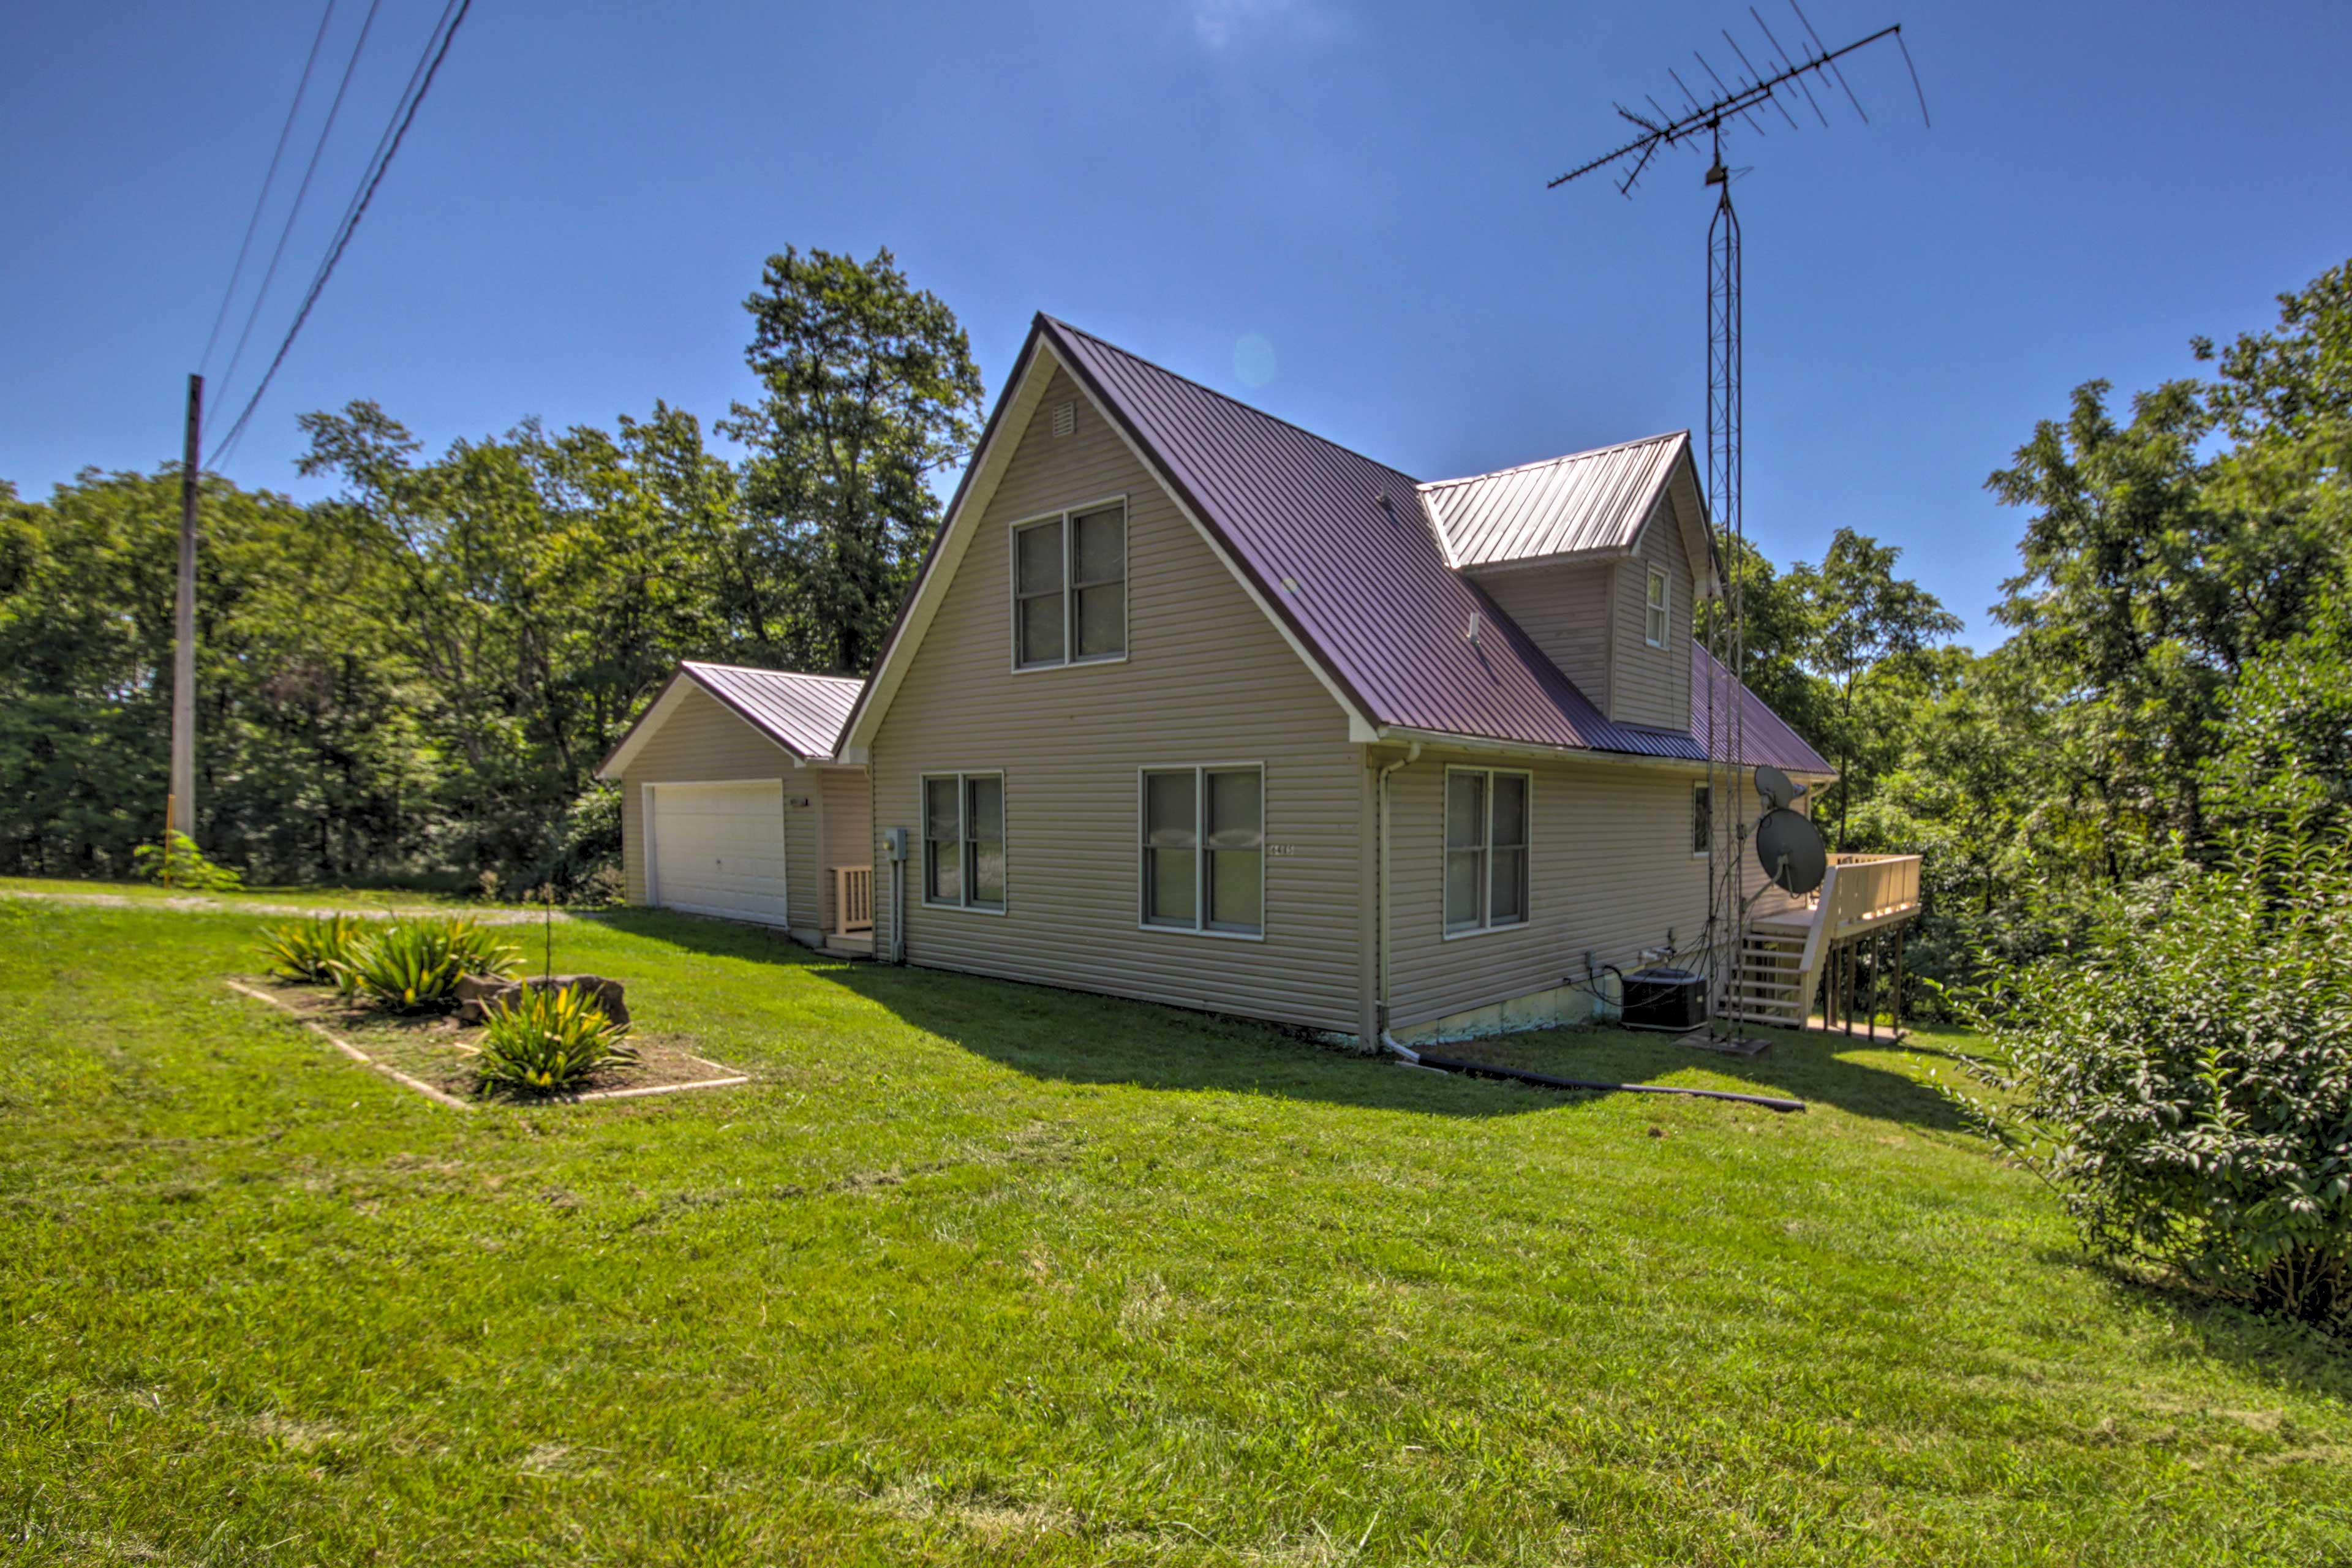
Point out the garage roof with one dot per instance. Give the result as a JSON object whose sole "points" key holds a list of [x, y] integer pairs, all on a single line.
{"points": [[802, 713]]}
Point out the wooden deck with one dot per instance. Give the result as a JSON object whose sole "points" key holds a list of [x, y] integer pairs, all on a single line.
{"points": [[1791, 940]]}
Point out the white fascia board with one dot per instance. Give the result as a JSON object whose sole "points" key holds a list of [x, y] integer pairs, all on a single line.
{"points": [[649, 725], [1361, 729], [956, 533]]}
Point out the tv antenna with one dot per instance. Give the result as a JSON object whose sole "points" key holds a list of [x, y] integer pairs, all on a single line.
{"points": [[1741, 100]]}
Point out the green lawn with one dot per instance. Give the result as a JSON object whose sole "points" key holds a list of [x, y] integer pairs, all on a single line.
{"points": [[306, 897], [979, 1272]]}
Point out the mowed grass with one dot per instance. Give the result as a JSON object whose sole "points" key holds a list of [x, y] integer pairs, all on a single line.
{"points": [[979, 1272], [359, 901]]}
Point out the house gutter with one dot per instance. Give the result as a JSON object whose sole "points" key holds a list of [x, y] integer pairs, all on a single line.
{"points": [[1381, 893]]}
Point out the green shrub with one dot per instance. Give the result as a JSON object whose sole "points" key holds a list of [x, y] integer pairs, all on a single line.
{"points": [[311, 950], [178, 863], [2185, 1082], [548, 1040], [412, 966]]}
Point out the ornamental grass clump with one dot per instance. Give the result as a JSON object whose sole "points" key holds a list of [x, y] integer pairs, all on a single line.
{"points": [[310, 950], [2185, 1083], [548, 1040], [413, 965]]}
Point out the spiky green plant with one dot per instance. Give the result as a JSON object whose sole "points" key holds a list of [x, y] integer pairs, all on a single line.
{"points": [[308, 950], [478, 950], [548, 1040], [412, 966]]}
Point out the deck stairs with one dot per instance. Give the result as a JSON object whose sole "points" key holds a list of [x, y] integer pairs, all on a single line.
{"points": [[1778, 970]]}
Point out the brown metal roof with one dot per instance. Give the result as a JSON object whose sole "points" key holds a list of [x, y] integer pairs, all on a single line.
{"points": [[801, 712], [1376, 602], [1766, 737], [1586, 503]]}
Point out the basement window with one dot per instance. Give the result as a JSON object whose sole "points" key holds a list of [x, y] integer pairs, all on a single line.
{"points": [[1485, 849], [1069, 588]]}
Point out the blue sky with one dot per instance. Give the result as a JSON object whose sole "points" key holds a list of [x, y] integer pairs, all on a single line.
{"points": [[590, 192]]}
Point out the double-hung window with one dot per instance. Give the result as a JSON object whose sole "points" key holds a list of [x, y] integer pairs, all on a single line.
{"points": [[1654, 622], [963, 840], [1485, 849], [1069, 588], [1204, 833], [1702, 819]]}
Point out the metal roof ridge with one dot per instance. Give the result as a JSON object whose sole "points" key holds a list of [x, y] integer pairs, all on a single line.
{"points": [[1253, 408], [770, 669], [1427, 485]]}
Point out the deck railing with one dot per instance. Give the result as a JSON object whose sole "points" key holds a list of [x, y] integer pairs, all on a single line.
{"points": [[852, 897], [1868, 890]]}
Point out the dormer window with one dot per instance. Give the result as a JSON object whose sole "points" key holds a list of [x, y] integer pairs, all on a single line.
{"points": [[1654, 629], [1069, 588]]}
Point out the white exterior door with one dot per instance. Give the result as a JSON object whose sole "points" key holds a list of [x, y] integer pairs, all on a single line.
{"points": [[718, 849]]}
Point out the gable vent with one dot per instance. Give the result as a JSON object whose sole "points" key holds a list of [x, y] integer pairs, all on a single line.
{"points": [[1066, 416]]}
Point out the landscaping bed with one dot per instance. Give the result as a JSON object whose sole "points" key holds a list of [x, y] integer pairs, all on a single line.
{"points": [[440, 1051]]}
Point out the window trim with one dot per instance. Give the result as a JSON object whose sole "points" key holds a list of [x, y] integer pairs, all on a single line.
{"points": [[1200, 926], [1664, 583], [924, 778], [1706, 787], [1064, 515], [1486, 926]]}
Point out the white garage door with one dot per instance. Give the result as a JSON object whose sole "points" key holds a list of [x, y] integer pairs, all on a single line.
{"points": [[718, 849]]}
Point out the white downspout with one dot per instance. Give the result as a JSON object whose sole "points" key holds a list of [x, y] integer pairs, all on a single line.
{"points": [[1412, 754]]}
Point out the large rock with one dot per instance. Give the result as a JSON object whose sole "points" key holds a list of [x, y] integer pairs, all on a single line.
{"points": [[477, 992]]}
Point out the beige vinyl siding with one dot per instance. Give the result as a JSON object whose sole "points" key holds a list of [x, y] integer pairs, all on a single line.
{"points": [[702, 742], [1564, 610], [849, 831], [1609, 872], [1652, 684], [803, 898], [1206, 680]]}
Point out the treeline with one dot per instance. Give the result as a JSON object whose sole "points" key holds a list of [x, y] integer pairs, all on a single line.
{"points": [[414, 679], [2178, 673]]}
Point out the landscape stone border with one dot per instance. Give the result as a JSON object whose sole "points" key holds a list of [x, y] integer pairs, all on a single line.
{"points": [[730, 1078]]}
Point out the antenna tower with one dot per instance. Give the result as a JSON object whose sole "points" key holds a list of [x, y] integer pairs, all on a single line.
{"points": [[1741, 99]]}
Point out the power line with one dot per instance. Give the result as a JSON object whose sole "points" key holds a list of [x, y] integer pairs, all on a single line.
{"points": [[453, 15], [253, 224], [300, 191]]}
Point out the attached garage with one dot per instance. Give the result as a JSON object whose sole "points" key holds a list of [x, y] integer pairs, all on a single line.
{"points": [[717, 850], [732, 806]]}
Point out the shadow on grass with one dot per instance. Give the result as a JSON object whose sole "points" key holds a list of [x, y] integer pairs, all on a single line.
{"points": [[1076, 1037], [2281, 1352]]}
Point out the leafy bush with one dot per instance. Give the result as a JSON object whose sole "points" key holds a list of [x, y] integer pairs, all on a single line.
{"points": [[2186, 1083], [411, 965], [548, 1040], [311, 950], [178, 862]]}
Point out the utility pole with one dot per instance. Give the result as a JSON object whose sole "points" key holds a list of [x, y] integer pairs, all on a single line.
{"points": [[183, 811]]}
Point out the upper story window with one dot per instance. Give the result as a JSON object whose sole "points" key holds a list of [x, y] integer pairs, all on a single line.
{"points": [[1069, 588], [1653, 626], [1204, 833], [1485, 849], [963, 840]]}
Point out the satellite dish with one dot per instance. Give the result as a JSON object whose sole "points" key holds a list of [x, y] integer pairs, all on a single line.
{"points": [[1791, 849], [1778, 792]]}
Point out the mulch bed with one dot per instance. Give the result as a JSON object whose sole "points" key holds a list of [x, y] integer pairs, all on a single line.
{"points": [[436, 1050]]}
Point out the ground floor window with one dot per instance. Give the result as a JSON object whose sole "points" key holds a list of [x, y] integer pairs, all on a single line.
{"points": [[1203, 832], [1486, 848], [963, 840], [1702, 818]]}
